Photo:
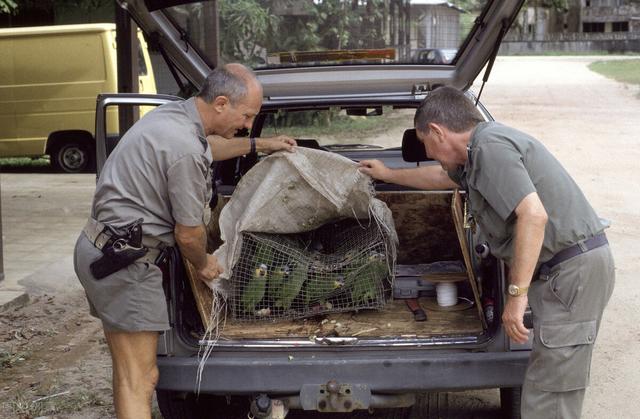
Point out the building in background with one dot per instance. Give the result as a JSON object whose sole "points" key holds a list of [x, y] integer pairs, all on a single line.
{"points": [[606, 16], [575, 26], [437, 24]]}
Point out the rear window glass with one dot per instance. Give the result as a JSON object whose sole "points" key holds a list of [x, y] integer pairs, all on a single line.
{"points": [[302, 33], [336, 128]]}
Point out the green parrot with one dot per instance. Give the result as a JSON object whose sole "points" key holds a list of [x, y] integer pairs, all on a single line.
{"points": [[378, 265], [254, 290], [354, 265], [366, 280], [319, 288], [291, 286], [276, 280]]}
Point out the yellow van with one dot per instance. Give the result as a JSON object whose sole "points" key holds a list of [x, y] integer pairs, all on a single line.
{"points": [[49, 79]]}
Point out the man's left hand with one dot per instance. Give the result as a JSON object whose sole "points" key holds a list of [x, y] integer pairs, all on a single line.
{"points": [[273, 144], [513, 318]]}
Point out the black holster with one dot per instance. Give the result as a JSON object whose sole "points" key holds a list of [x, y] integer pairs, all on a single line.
{"points": [[122, 249]]}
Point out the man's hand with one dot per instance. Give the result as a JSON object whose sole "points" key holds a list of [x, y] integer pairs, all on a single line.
{"points": [[513, 318], [192, 241], [376, 169], [230, 148], [211, 270], [273, 144]]}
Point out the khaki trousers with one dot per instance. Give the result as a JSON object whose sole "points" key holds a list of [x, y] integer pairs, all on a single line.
{"points": [[567, 306]]}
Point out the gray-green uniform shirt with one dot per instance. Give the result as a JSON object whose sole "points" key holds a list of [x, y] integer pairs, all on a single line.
{"points": [[160, 171], [504, 166]]}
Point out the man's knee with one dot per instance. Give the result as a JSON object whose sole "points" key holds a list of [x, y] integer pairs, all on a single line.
{"points": [[134, 359], [144, 377]]}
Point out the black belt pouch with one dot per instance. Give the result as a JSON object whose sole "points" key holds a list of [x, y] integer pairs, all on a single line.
{"points": [[124, 248]]}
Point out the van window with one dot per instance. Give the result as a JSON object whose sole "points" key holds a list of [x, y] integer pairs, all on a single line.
{"points": [[112, 121], [336, 127]]}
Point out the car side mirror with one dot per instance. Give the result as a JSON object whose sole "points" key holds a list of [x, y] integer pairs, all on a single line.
{"points": [[412, 149]]}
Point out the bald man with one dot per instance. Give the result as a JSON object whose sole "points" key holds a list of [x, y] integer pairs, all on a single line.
{"points": [[153, 192]]}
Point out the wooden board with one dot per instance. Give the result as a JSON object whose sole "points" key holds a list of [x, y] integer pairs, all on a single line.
{"points": [[394, 320], [458, 220], [424, 226], [201, 292]]}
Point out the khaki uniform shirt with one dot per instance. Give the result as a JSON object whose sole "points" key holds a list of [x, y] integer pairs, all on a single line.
{"points": [[504, 166], [160, 171]]}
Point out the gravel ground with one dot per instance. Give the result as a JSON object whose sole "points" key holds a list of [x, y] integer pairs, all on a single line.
{"points": [[51, 347]]}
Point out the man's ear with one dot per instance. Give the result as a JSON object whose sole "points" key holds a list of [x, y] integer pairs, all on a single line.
{"points": [[219, 103], [437, 129]]}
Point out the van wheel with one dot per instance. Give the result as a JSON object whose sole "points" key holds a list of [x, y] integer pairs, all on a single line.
{"points": [[180, 405], [510, 402], [72, 157]]}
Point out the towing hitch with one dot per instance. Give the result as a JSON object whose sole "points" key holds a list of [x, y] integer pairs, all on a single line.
{"points": [[335, 397], [263, 407]]}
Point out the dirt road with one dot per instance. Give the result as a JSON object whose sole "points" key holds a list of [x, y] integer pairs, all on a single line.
{"points": [[51, 348]]}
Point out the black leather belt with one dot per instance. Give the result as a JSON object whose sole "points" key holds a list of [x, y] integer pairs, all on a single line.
{"points": [[575, 250]]}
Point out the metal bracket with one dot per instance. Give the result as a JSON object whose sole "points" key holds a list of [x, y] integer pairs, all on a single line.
{"points": [[335, 397]]}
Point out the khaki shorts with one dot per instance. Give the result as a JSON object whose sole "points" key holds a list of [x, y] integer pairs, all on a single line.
{"points": [[131, 299]]}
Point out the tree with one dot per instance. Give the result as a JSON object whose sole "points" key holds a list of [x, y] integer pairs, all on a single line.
{"points": [[13, 6], [244, 28], [557, 5], [249, 28], [469, 5], [8, 6]]}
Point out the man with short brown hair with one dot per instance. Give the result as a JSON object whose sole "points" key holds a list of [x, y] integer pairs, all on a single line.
{"points": [[536, 219]]}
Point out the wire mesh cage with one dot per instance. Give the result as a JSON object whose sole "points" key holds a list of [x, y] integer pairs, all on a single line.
{"points": [[339, 267]]}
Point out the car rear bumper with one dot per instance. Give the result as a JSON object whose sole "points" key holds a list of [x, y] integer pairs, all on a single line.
{"points": [[286, 373]]}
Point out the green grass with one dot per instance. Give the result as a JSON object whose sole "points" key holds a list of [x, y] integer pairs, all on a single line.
{"points": [[572, 53], [341, 128], [24, 162], [624, 71], [344, 127]]}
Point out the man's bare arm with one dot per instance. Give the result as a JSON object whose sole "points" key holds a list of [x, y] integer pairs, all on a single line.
{"points": [[192, 242], [229, 148], [531, 219], [529, 235], [428, 177]]}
